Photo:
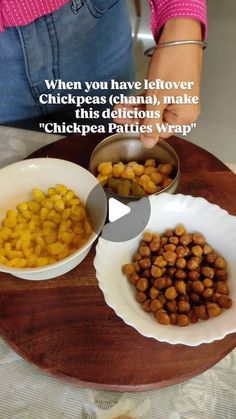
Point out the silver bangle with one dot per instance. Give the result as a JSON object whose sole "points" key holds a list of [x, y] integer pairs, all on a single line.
{"points": [[151, 50]]}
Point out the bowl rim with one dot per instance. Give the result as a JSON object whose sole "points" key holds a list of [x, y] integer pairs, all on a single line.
{"points": [[112, 138], [91, 239]]}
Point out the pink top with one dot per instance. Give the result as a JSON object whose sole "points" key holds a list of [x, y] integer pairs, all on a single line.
{"points": [[163, 10], [22, 12]]}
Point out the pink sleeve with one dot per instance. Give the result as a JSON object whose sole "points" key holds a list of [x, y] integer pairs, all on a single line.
{"points": [[163, 10]]}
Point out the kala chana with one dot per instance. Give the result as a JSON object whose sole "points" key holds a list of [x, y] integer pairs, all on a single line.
{"points": [[178, 277]]}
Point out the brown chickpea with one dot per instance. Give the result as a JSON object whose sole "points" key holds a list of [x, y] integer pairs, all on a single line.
{"points": [[224, 301], [142, 243], [195, 298], [134, 278], [174, 240], [180, 274], [136, 257], [181, 263], [215, 297], [172, 306], [170, 293], [173, 318], [147, 305], [185, 239], [221, 274], [193, 263], [170, 247], [193, 275], [142, 284], [136, 266], [155, 245], [160, 283], [140, 296], [162, 299], [207, 293], [201, 312], [144, 251], [147, 273], [197, 250], [147, 236], [171, 272], [170, 257], [155, 305], [183, 306], [208, 272], [160, 261], [169, 282], [208, 283], [213, 309], [210, 258], [162, 317], [153, 293], [220, 263], [164, 240], [156, 272], [183, 320], [180, 230], [128, 269], [165, 169], [222, 288], [156, 236], [183, 298], [199, 239], [181, 251], [169, 233], [192, 316], [197, 287], [163, 271], [180, 287], [145, 263], [206, 250]]}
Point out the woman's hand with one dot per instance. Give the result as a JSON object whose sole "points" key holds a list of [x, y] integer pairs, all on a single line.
{"points": [[175, 63]]}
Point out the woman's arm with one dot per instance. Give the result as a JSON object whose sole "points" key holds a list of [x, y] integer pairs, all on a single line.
{"points": [[176, 63]]}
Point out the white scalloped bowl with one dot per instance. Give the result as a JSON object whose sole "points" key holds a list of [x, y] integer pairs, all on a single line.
{"points": [[197, 214], [17, 181]]}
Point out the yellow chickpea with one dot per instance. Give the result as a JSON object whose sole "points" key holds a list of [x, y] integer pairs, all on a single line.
{"points": [[149, 170], [138, 170], [149, 187], [128, 173], [117, 169], [105, 168], [41, 231], [156, 177], [150, 163]]}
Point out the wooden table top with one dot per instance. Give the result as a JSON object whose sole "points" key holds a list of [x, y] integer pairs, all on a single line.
{"points": [[64, 326]]}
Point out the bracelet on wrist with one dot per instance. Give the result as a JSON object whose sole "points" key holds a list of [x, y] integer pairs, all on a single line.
{"points": [[151, 50]]}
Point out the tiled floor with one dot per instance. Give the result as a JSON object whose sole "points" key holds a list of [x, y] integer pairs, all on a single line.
{"points": [[216, 127]]}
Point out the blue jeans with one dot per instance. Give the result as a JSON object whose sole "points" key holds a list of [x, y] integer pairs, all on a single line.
{"points": [[86, 40]]}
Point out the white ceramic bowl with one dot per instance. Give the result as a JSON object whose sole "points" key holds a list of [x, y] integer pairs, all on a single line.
{"points": [[219, 229], [18, 179]]}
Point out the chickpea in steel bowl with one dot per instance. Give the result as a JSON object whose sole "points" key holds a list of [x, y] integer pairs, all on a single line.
{"points": [[128, 170]]}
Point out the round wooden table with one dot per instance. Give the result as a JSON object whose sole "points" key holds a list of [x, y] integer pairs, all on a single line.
{"points": [[64, 326]]}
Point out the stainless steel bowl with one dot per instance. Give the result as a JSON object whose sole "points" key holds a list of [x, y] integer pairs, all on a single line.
{"points": [[126, 147]]}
